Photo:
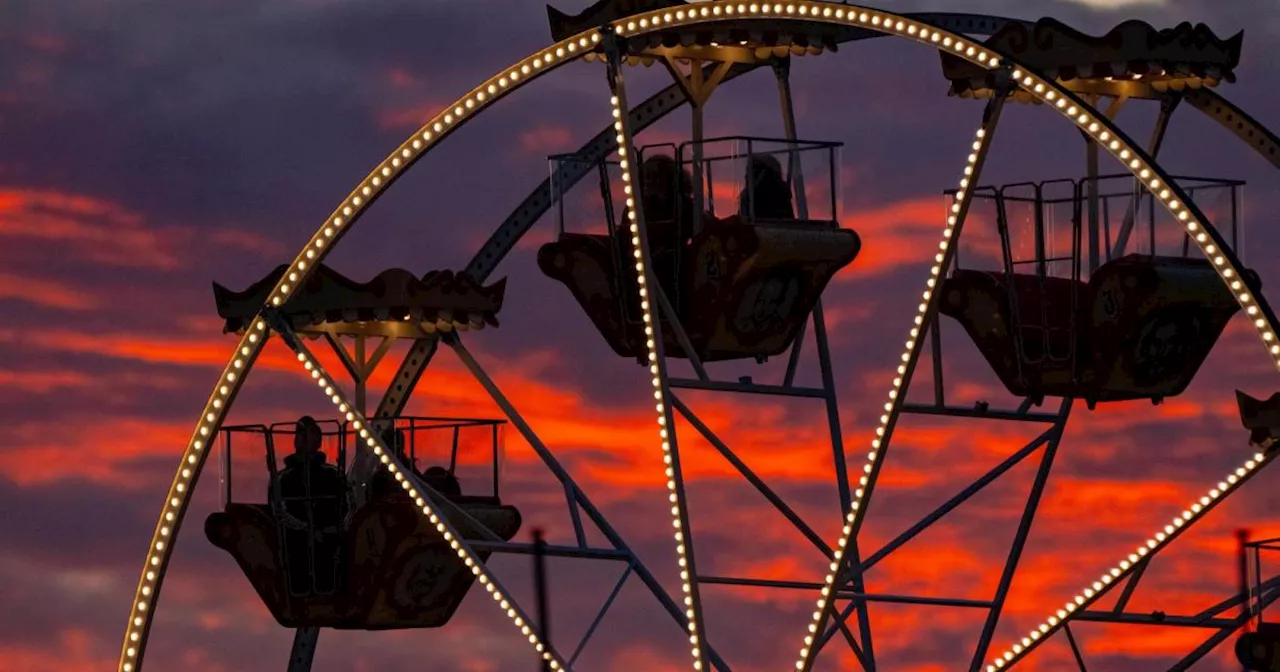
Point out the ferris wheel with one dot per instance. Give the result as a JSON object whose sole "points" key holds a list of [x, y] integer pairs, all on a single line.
{"points": [[1121, 303]]}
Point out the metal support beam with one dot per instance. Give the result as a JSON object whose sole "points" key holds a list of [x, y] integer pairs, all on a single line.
{"points": [[1167, 105], [1091, 156], [849, 594], [305, 641], [1218, 637], [747, 388], [1020, 539], [960, 498], [540, 590], [558, 471], [782, 71], [978, 414], [760, 486], [1075, 650], [1131, 585], [591, 629]]}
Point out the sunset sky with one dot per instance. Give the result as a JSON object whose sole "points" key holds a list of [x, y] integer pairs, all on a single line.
{"points": [[149, 149]]}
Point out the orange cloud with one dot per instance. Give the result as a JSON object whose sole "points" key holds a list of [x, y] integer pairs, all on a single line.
{"points": [[45, 292], [99, 231], [76, 653], [43, 382]]}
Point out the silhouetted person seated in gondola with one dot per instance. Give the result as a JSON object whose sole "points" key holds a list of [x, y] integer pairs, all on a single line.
{"points": [[383, 485], [443, 482], [766, 194], [667, 197], [313, 495]]}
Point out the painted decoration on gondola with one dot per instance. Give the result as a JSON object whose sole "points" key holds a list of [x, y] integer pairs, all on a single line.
{"points": [[1166, 343], [394, 569], [766, 304], [741, 289]]}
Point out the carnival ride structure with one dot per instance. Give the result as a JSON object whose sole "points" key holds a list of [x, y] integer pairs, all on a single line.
{"points": [[374, 540]]}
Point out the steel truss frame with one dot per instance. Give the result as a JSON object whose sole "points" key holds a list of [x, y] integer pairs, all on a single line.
{"points": [[698, 91], [251, 343], [578, 507]]}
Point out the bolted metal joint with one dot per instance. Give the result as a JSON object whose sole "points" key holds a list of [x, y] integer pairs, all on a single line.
{"points": [[276, 322], [614, 46]]}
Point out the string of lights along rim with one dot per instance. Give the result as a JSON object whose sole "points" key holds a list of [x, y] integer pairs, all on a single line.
{"points": [[690, 278]]}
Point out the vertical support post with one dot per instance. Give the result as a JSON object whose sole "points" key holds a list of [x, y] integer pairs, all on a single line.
{"points": [[1235, 223], [361, 377], [935, 346], [540, 590], [1257, 577], [1167, 105], [1242, 540], [697, 83], [226, 463], [782, 71], [795, 169], [614, 47], [1091, 161]]}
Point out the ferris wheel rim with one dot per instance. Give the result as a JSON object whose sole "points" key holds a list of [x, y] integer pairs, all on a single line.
{"points": [[441, 126]]}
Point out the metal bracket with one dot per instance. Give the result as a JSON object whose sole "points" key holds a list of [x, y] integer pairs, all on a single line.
{"points": [[276, 322]]}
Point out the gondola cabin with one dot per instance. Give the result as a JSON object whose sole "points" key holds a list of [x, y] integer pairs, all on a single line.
{"points": [[326, 536], [322, 550], [1139, 326], [741, 261]]}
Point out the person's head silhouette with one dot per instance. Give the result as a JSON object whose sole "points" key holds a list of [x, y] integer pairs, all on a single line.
{"points": [[764, 166], [307, 436]]}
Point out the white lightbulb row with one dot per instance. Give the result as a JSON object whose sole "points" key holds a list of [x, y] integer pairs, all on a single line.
{"points": [[162, 540], [510, 79], [657, 372], [1153, 545], [411, 485]]}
